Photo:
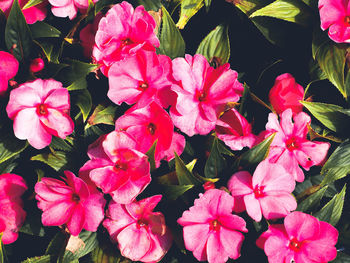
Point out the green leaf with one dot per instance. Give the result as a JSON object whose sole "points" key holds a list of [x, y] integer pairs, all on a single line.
{"points": [[150, 5], [184, 176], [188, 9], [289, 10], [60, 144], [338, 164], [33, 226], [102, 115], [312, 201], [52, 50], [17, 34], [341, 258], [2, 256], [10, 145], [150, 154], [171, 41], [82, 98], [207, 4], [191, 165], [31, 3], [57, 245], [58, 160], [216, 45], [42, 29], [90, 242], [103, 3], [332, 116], [216, 163], [41, 259], [332, 211], [8, 165], [250, 6], [173, 192]]}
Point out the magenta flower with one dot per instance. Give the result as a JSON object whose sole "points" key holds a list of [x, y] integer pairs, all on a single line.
{"points": [[122, 32], [40, 109], [203, 93], [64, 8], [141, 79], [210, 229], [141, 233], [73, 203], [290, 148], [8, 69], [286, 93], [87, 35], [148, 124], [335, 15], [119, 170], [302, 239], [31, 14], [267, 192], [234, 130], [12, 215]]}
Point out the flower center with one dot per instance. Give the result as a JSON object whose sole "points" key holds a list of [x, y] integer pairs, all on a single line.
{"points": [[121, 166], [41, 109], [259, 191], [295, 245], [215, 225], [291, 144], [126, 42], [201, 96], [141, 223], [347, 20], [143, 85], [76, 198], [151, 128]]}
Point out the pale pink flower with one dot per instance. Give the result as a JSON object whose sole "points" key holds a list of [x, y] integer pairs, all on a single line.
{"points": [[73, 203], [31, 14], [286, 93], [234, 130], [148, 124], [87, 35], [8, 69], [122, 32], [290, 147], [267, 192], [141, 233], [64, 8], [210, 230], [119, 170], [302, 239], [335, 15], [40, 109], [141, 79], [12, 215], [203, 93]]}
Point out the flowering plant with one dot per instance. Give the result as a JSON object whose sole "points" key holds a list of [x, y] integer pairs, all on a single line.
{"points": [[174, 131]]}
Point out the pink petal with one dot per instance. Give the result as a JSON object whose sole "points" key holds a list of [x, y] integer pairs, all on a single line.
{"points": [[58, 214], [58, 99], [311, 153], [78, 185], [301, 122], [59, 123], [8, 63], [215, 250], [232, 242], [94, 211], [195, 238], [253, 207], [277, 206], [240, 183], [77, 220], [286, 122], [301, 226], [330, 12], [233, 222]]}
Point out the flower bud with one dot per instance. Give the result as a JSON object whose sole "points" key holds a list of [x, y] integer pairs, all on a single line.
{"points": [[37, 65]]}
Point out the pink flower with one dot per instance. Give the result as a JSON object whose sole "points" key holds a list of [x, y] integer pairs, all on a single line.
{"points": [[234, 130], [73, 203], [302, 239], [140, 79], [87, 35], [141, 233], [31, 14], [210, 229], [335, 15], [12, 215], [8, 69], [202, 93], [290, 148], [118, 170], [267, 192], [131, 31], [64, 8], [286, 93], [40, 109], [148, 124]]}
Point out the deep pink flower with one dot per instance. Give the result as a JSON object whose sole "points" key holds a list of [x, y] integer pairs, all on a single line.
{"points": [[302, 239], [12, 215], [202, 93], [210, 229], [31, 14], [148, 124], [335, 15], [286, 93], [141, 233], [72, 202], [40, 109], [131, 31], [290, 148], [87, 35], [140, 79], [37, 65], [267, 192], [64, 8], [119, 170], [234, 130], [8, 69]]}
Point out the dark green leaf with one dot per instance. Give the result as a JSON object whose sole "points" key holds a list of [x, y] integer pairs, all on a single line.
{"points": [[42, 29], [41, 259], [173, 192], [250, 6], [103, 3], [184, 176], [8, 165], [10, 145], [90, 242], [52, 50], [33, 226], [60, 144], [311, 182], [57, 246], [341, 258], [150, 154], [188, 9], [216, 163], [58, 160], [31, 3], [150, 5], [82, 98], [312, 201]]}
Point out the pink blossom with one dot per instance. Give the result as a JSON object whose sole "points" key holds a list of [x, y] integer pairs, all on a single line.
{"points": [[73, 203], [286, 93], [87, 35], [131, 31], [12, 215], [64, 8], [8, 69], [203, 93], [141, 233], [148, 124], [37, 65], [140, 79], [118, 170], [40, 109], [267, 192], [290, 148], [31, 14], [302, 239], [210, 229], [335, 15], [234, 130]]}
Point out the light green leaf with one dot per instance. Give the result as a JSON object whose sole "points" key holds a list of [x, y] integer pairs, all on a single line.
{"points": [[312, 201], [90, 242], [191, 165], [150, 154], [41, 259], [188, 9], [31, 3], [184, 176], [216, 163], [250, 6], [42, 29], [60, 144], [58, 161], [207, 4], [102, 115]]}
